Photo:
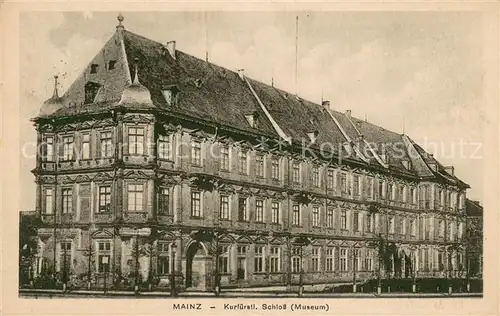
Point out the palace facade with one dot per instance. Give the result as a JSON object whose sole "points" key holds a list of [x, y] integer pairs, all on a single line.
{"points": [[156, 161]]}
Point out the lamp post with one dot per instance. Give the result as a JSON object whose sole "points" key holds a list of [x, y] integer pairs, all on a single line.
{"points": [[173, 247]]}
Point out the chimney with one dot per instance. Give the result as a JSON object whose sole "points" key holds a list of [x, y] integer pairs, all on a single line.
{"points": [[171, 48], [326, 104], [450, 170], [241, 73], [348, 113]]}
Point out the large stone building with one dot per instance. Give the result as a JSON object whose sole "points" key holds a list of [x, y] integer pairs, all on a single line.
{"points": [[152, 146]]}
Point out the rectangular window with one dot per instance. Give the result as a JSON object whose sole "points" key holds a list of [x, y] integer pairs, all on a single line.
{"points": [[369, 188], [243, 162], [164, 201], [104, 198], [275, 259], [68, 148], [135, 197], [390, 191], [85, 146], [315, 259], [223, 259], [330, 253], [196, 204], [329, 218], [403, 226], [164, 147], [315, 176], [296, 259], [402, 193], [369, 223], [343, 259], [296, 214], [135, 140], [259, 165], [224, 207], [67, 201], [65, 255], [413, 225], [413, 195], [104, 261], [330, 179], [259, 211], [259, 259], [391, 225], [275, 212], [368, 263], [275, 169], [450, 231], [163, 258], [49, 148], [296, 172], [224, 158], [315, 216], [355, 185], [460, 230], [241, 252], [357, 259], [242, 209], [355, 222], [104, 257], [441, 228], [343, 183], [106, 144], [196, 153], [381, 189], [343, 220], [48, 201]]}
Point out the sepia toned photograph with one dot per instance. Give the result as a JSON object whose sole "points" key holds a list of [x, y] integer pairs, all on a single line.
{"points": [[251, 154]]}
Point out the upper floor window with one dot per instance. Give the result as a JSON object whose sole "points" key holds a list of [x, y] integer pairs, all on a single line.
{"points": [[163, 201], [259, 210], [391, 225], [413, 227], [49, 148], [68, 149], [91, 89], [343, 183], [403, 226], [85, 146], [196, 153], [356, 222], [329, 218], [329, 179], [259, 165], [104, 198], [381, 189], [402, 193], [196, 204], [390, 189], [369, 188], [224, 207], [343, 220], [164, 147], [315, 176], [242, 209], [369, 222], [413, 195], [106, 144], [135, 197], [296, 172], [111, 64], [275, 212], [48, 201], [136, 140], [315, 216], [67, 200], [296, 214], [275, 169], [243, 162], [224, 158]]}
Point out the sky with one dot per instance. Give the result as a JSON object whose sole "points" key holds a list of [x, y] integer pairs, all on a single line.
{"points": [[417, 72]]}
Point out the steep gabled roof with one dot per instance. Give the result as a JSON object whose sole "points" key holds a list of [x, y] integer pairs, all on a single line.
{"points": [[221, 96], [473, 208]]}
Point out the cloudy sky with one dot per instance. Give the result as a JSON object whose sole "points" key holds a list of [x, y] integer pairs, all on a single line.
{"points": [[421, 68]]}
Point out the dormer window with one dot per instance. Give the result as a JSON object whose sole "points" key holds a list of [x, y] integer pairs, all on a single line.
{"points": [[407, 164], [91, 89], [94, 68], [252, 119], [170, 94], [111, 64], [313, 136]]}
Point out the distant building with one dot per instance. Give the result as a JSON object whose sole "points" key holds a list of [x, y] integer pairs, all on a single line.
{"points": [[475, 237], [153, 146]]}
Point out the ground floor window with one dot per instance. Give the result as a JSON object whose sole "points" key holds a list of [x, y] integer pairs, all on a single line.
{"points": [[343, 259], [223, 259], [259, 259], [275, 259], [330, 259]]}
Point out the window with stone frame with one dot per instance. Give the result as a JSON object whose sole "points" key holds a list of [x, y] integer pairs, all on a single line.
{"points": [[164, 201], [85, 146], [65, 255], [315, 176], [196, 153], [135, 140], [330, 259], [358, 259], [368, 260], [315, 259], [275, 212], [241, 263], [259, 259], [413, 227], [275, 168], [49, 198], [224, 158], [164, 146], [196, 204], [330, 179], [315, 216], [296, 260], [343, 220], [355, 222], [49, 148], [391, 225], [259, 210], [329, 218], [296, 214], [104, 198], [355, 185], [67, 200], [164, 262], [275, 259], [224, 207], [243, 162], [259, 165], [68, 147], [224, 259], [369, 222], [369, 188], [343, 259], [296, 172], [106, 144], [103, 256], [135, 194], [343, 183], [242, 209], [91, 90]]}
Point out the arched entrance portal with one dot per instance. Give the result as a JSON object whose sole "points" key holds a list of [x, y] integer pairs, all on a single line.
{"points": [[198, 265]]}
